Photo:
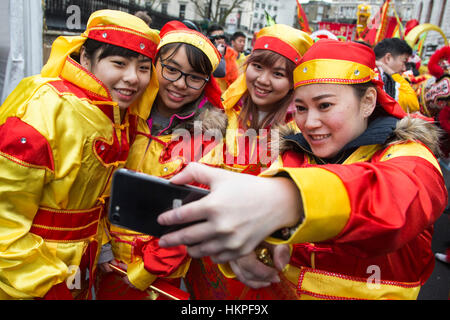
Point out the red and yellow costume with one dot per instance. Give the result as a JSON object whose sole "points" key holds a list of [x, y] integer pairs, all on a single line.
{"points": [[369, 214], [362, 14], [163, 152], [61, 140], [244, 155]]}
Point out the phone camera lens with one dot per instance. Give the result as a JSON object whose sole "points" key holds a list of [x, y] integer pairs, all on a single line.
{"points": [[115, 217]]}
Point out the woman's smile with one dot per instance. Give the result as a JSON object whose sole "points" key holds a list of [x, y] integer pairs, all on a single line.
{"points": [[262, 93], [125, 94], [318, 137], [175, 96]]}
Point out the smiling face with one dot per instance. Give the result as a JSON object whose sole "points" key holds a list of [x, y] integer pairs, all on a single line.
{"points": [[126, 78], [238, 44], [173, 95], [268, 84], [331, 115]]}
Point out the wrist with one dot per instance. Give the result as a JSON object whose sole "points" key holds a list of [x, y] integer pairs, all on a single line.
{"points": [[291, 213]]}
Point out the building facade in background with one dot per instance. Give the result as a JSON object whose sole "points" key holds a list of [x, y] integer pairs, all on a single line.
{"points": [[27, 31], [436, 12], [249, 16], [344, 11]]}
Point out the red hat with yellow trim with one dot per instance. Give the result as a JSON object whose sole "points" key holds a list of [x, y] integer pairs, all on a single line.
{"points": [[337, 62], [289, 42], [110, 26], [177, 32], [121, 30], [113, 27], [282, 39]]}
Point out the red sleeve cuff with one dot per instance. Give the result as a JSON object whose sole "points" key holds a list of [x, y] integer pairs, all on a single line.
{"points": [[162, 261]]}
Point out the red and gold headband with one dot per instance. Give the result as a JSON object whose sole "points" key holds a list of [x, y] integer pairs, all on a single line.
{"points": [[331, 61], [177, 32], [124, 37], [282, 39], [123, 30], [337, 62]]}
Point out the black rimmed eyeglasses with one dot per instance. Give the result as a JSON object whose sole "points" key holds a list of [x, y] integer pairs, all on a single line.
{"points": [[173, 74]]}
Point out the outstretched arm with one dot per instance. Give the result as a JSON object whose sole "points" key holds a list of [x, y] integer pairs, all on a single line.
{"points": [[239, 213]]}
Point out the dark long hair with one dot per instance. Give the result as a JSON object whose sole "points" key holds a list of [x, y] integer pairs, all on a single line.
{"points": [[249, 110]]}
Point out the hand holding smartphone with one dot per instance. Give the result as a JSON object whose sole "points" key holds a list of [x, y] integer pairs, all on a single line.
{"points": [[137, 199]]}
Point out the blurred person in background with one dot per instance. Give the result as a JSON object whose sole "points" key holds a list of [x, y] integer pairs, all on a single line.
{"points": [[392, 54], [217, 36], [238, 43]]}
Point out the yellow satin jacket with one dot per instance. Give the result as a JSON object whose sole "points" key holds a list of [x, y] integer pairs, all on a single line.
{"points": [[164, 155], [405, 94], [61, 140]]}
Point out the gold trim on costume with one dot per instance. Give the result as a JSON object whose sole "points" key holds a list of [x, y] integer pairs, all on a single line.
{"points": [[123, 272], [332, 71], [23, 163], [65, 229], [317, 284]]}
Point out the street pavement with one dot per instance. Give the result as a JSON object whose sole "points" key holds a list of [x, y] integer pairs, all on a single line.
{"points": [[438, 285]]}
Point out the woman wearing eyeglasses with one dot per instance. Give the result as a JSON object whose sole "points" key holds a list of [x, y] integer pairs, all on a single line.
{"points": [[255, 104], [187, 105]]}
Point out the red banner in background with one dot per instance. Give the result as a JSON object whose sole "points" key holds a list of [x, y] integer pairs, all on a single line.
{"points": [[346, 30], [391, 27], [378, 27], [302, 19]]}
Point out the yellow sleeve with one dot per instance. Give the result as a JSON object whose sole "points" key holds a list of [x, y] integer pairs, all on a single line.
{"points": [[139, 276], [318, 213], [406, 96], [27, 267]]}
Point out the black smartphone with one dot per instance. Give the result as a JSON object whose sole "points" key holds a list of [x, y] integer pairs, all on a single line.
{"points": [[137, 199]]}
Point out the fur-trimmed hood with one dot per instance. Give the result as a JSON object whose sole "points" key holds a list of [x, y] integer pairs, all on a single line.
{"points": [[214, 119], [406, 129], [210, 118]]}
